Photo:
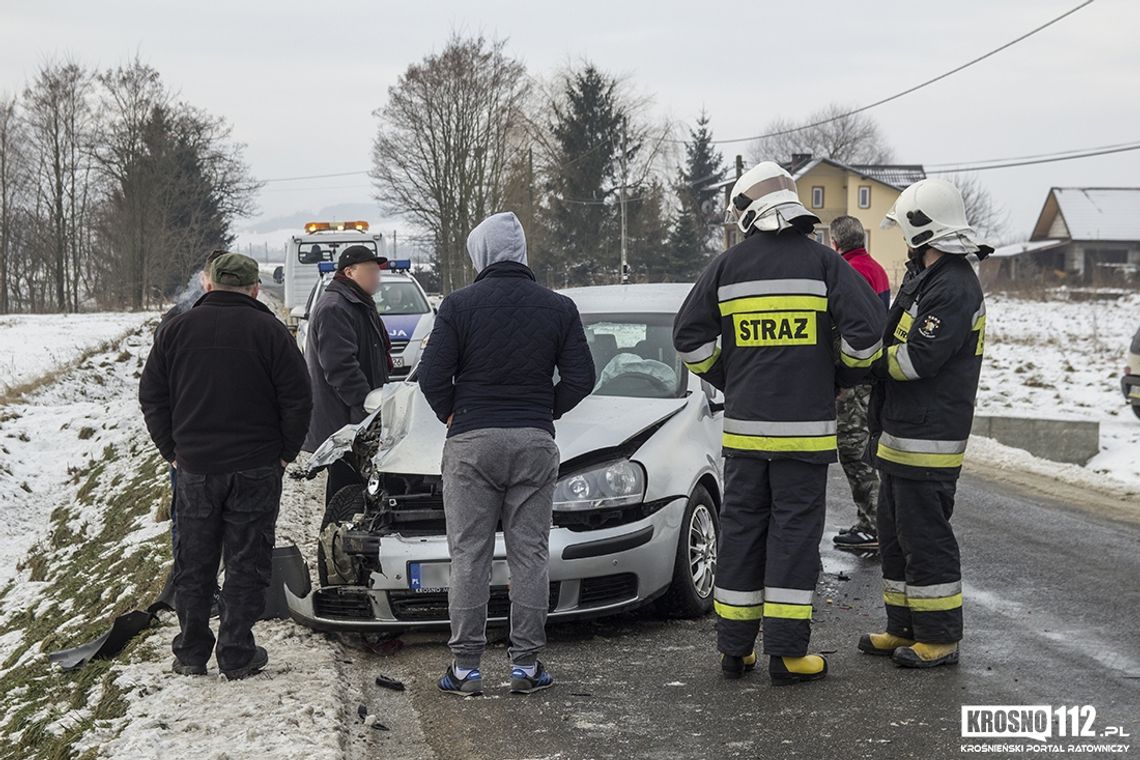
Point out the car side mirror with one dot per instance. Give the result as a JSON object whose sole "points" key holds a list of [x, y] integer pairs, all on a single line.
{"points": [[716, 407]]}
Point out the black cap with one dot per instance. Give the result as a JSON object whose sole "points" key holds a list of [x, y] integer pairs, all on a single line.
{"points": [[357, 254]]}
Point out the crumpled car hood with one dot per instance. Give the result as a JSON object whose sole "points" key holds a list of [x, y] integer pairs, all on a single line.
{"points": [[412, 439]]}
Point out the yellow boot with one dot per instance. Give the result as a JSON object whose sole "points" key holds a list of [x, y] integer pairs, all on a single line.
{"points": [[882, 644], [735, 667], [922, 655], [788, 670]]}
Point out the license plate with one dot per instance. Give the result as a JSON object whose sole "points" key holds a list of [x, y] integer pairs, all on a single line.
{"points": [[436, 576], [397, 361]]}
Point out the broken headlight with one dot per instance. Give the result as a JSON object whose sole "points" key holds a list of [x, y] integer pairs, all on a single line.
{"points": [[613, 484]]}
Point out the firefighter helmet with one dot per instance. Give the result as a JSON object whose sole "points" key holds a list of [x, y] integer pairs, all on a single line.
{"points": [[931, 212], [765, 198]]}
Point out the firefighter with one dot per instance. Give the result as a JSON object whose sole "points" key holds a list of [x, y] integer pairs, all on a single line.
{"points": [[758, 325], [922, 409]]}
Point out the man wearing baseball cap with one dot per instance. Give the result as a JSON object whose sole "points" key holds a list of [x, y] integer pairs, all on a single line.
{"points": [[226, 399], [348, 353]]}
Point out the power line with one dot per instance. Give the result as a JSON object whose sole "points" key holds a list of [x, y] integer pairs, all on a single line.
{"points": [[1044, 160], [314, 176], [909, 90], [1050, 154]]}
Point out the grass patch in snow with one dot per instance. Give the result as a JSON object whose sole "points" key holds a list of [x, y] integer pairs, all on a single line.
{"points": [[104, 555]]}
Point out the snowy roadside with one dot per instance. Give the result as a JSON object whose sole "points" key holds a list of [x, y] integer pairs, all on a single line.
{"points": [[1062, 360], [34, 345], [84, 536]]}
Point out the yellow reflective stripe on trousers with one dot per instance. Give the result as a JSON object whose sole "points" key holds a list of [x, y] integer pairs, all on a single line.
{"points": [[894, 592], [738, 612], [938, 604], [773, 303], [788, 611]]}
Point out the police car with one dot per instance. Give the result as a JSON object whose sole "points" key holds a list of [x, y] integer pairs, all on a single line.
{"points": [[402, 303]]}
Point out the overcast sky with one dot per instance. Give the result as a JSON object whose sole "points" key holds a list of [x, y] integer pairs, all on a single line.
{"points": [[299, 81]]}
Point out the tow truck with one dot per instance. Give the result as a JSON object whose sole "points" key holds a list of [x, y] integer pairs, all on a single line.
{"points": [[322, 241]]}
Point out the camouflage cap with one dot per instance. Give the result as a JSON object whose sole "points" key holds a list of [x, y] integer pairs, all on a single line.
{"points": [[235, 269]]}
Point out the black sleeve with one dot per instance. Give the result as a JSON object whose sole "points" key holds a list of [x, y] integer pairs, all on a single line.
{"points": [[575, 367], [439, 363], [337, 357], [697, 329], [294, 394], [858, 316], [154, 398], [945, 319]]}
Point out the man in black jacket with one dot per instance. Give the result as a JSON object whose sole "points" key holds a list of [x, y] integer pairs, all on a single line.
{"points": [[488, 372], [348, 352], [226, 400]]}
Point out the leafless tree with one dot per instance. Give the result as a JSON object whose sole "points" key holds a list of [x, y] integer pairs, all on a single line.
{"points": [[826, 133], [985, 215], [448, 135]]}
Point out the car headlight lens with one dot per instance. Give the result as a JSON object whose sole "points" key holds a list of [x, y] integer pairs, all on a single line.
{"points": [[373, 487], [613, 484]]}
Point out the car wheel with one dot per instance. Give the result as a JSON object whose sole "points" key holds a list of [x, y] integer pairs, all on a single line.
{"points": [[694, 572], [342, 507]]}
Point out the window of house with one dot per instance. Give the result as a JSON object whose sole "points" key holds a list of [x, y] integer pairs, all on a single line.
{"points": [[821, 236], [817, 197], [864, 196]]}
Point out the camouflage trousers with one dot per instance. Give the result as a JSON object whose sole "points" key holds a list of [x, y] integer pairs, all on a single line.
{"points": [[854, 438]]}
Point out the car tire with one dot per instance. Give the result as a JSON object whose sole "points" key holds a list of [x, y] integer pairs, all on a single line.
{"points": [[685, 598], [345, 503]]}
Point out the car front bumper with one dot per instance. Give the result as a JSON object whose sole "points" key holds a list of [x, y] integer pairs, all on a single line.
{"points": [[592, 573]]}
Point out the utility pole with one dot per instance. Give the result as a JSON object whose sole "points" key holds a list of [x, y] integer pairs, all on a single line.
{"points": [[623, 272]]}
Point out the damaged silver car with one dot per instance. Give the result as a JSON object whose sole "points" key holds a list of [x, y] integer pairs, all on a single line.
{"points": [[635, 506]]}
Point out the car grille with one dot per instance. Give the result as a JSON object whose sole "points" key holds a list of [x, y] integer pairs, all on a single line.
{"points": [[607, 589], [338, 604], [414, 606]]}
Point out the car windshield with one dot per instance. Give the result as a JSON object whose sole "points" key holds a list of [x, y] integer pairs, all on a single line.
{"points": [[634, 355], [400, 297]]}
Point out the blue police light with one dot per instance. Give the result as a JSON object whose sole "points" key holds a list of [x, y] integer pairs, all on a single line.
{"points": [[399, 265], [324, 267]]}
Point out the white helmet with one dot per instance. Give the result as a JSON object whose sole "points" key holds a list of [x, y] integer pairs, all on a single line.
{"points": [[765, 198], [931, 212]]}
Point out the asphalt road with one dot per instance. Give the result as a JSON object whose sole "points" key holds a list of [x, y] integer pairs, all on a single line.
{"points": [[1052, 618]]}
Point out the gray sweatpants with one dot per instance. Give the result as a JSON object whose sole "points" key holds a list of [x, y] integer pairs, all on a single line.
{"points": [[490, 475]]}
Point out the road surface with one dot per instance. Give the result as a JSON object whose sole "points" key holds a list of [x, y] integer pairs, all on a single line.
{"points": [[1052, 617]]}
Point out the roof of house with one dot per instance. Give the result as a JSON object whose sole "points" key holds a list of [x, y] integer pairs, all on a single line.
{"points": [[1017, 249], [898, 176], [1090, 213]]}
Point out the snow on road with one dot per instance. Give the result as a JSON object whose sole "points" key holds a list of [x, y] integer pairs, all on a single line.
{"points": [[1063, 359], [32, 345]]}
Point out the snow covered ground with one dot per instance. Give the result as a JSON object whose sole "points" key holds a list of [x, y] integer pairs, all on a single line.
{"points": [[1062, 359], [32, 345]]}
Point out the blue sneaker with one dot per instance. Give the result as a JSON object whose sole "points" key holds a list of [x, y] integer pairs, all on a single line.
{"points": [[471, 686], [521, 683]]}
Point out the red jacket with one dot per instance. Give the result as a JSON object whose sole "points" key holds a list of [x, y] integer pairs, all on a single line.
{"points": [[872, 272]]}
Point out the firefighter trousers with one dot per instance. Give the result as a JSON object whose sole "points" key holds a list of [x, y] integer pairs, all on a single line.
{"points": [[771, 523], [922, 572]]}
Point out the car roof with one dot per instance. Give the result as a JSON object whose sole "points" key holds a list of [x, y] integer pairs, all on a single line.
{"points": [[639, 298]]}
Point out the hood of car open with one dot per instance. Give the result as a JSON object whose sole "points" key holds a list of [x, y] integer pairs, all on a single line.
{"points": [[412, 438]]}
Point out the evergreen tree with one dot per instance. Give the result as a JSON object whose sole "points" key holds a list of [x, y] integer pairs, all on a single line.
{"points": [[697, 221]]}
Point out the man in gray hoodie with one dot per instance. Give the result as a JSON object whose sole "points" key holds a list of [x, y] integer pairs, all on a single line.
{"points": [[488, 372]]}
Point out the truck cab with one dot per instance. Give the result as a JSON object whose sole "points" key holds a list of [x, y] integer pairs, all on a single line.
{"points": [[321, 242]]}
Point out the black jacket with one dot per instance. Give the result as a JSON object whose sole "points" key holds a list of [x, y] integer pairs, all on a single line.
{"points": [[758, 325], [225, 388], [922, 407], [492, 353], [348, 354]]}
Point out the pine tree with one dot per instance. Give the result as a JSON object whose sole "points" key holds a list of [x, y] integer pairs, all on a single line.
{"points": [[697, 220]]}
